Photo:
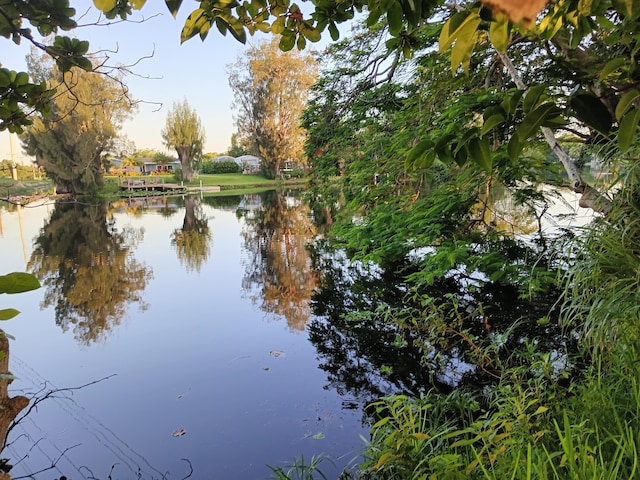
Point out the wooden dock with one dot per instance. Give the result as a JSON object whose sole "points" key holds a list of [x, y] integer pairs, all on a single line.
{"points": [[150, 185]]}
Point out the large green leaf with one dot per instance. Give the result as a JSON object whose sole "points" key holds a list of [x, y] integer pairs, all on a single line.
{"points": [[465, 37], [8, 313], [173, 6], [18, 282], [612, 66], [535, 119], [287, 42], [193, 24], [625, 102], [499, 33], [105, 5], [418, 156], [491, 122], [592, 111], [532, 97], [394, 18], [628, 129], [481, 153]]}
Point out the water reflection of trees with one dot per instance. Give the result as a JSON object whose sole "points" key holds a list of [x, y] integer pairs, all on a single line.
{"points": [[278, 274], [87, 268], [193, 241], [374, 337]]}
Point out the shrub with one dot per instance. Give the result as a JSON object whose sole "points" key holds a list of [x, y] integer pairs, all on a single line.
{"points": [[209, 167]]}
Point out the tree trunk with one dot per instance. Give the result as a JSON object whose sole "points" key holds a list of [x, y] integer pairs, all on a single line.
{"points": [[185, 161], [9, 406]]}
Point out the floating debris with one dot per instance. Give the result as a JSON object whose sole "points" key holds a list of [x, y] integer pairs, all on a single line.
{"points": [[179, 433], [277, 353]]}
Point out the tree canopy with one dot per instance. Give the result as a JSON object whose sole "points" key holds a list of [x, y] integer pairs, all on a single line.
{"points": [[20, 96], [69, 142], [184, 132], [270, 88]]}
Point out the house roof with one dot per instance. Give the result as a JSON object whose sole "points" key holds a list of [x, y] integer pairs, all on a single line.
{"points": [[223, 158], [248, 159]]}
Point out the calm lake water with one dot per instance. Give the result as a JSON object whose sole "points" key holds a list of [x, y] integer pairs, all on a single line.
{"points": [[185, 324]]}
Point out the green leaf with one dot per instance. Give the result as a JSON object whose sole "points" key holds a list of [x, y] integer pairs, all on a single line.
{"points": [[84, 63], [192, 24], [311, 34], [464, 36], [625, 102], [514, 147], [510, 103], [8, 313], [105, 5], [394, 18], [287, 42], [278, 24], [612, 66], [418, 152], [301, 42], [535, 119], [491, 122], [18, 282], [591, 111], [627, 7], [532, 97], [627, 129], [448, 32], [173, 6], [499, 33], [334, 32], [481, 153]]}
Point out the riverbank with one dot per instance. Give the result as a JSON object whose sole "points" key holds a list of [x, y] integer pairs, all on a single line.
{"points": [[25, 191]]}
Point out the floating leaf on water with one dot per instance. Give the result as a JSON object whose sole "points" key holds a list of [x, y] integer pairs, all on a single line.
{"points": [[277, 353], [179, 433], [315, 436]]}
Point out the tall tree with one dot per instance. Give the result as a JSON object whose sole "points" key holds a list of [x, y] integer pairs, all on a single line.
{"points": [[70, 142], [184, 132], [270, 89]]}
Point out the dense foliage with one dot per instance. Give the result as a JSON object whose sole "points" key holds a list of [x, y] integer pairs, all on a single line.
{"points": [[227, 166], [431, 133], [70, 143], [270, 89], [520, 355], [184, 133]]}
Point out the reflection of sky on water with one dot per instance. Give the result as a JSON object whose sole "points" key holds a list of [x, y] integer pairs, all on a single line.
{"points": [[197, 359]]}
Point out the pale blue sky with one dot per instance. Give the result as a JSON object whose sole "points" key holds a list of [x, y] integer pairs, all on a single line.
{"points": [[195, 70]]}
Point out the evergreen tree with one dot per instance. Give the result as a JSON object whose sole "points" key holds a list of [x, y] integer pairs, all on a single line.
{"points": [[270, 89]]}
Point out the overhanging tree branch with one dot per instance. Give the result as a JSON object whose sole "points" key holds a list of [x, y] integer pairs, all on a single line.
{"points": [[590, 196]]}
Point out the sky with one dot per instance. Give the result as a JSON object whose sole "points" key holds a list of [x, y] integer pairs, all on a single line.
{"points": [[195, 71]]}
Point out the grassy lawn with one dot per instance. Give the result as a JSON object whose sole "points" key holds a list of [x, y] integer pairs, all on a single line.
{"points": [[235, 183], [230, 180], [234, 179]]}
